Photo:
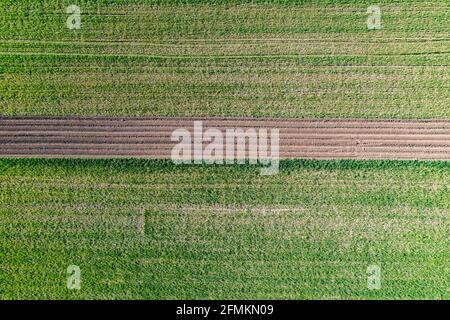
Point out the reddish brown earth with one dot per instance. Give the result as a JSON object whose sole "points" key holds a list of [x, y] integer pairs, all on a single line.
{"points": [[151, 137]]}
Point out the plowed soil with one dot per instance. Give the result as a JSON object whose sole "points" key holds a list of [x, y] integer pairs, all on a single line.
{"points": [[151, 137]]}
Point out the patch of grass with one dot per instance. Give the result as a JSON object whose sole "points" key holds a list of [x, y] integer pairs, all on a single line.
{"points": [[153, 230]]}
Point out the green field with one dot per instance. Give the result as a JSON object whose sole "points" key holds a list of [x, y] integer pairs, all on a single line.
{"points": [[281, 58], [151, 229]]}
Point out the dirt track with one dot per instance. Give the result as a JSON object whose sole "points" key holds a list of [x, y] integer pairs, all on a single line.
{"points": [[151, 137]]}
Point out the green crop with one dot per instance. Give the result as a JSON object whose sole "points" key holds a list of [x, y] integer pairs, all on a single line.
{"points": [[154, 230], [301, 59]]}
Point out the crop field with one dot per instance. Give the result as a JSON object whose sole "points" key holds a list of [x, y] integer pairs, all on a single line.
{"points": [[359, 207], [301, 59], [151, 229]]}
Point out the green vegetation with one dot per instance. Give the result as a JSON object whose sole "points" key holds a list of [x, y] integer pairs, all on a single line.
{"points": [[151, 229], [225, 58]]}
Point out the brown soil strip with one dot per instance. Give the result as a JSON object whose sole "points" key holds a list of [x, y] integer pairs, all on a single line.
{"points": [[150, 137]]}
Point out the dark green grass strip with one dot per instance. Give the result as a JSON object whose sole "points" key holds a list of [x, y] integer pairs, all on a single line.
{"points": [[140, 165]]}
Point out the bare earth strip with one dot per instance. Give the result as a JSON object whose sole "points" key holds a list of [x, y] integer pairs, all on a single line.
{"points": [[150, 137]]}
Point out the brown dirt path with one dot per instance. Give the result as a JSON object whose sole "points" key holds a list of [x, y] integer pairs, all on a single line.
{"points": [[150, 137]]}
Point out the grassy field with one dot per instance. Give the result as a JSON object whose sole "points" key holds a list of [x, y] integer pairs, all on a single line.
{"points": [[225, 58], [151, 229]]}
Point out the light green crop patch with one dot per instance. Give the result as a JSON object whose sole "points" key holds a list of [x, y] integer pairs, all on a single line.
{"points": [[154, 230], [305, 59]]}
